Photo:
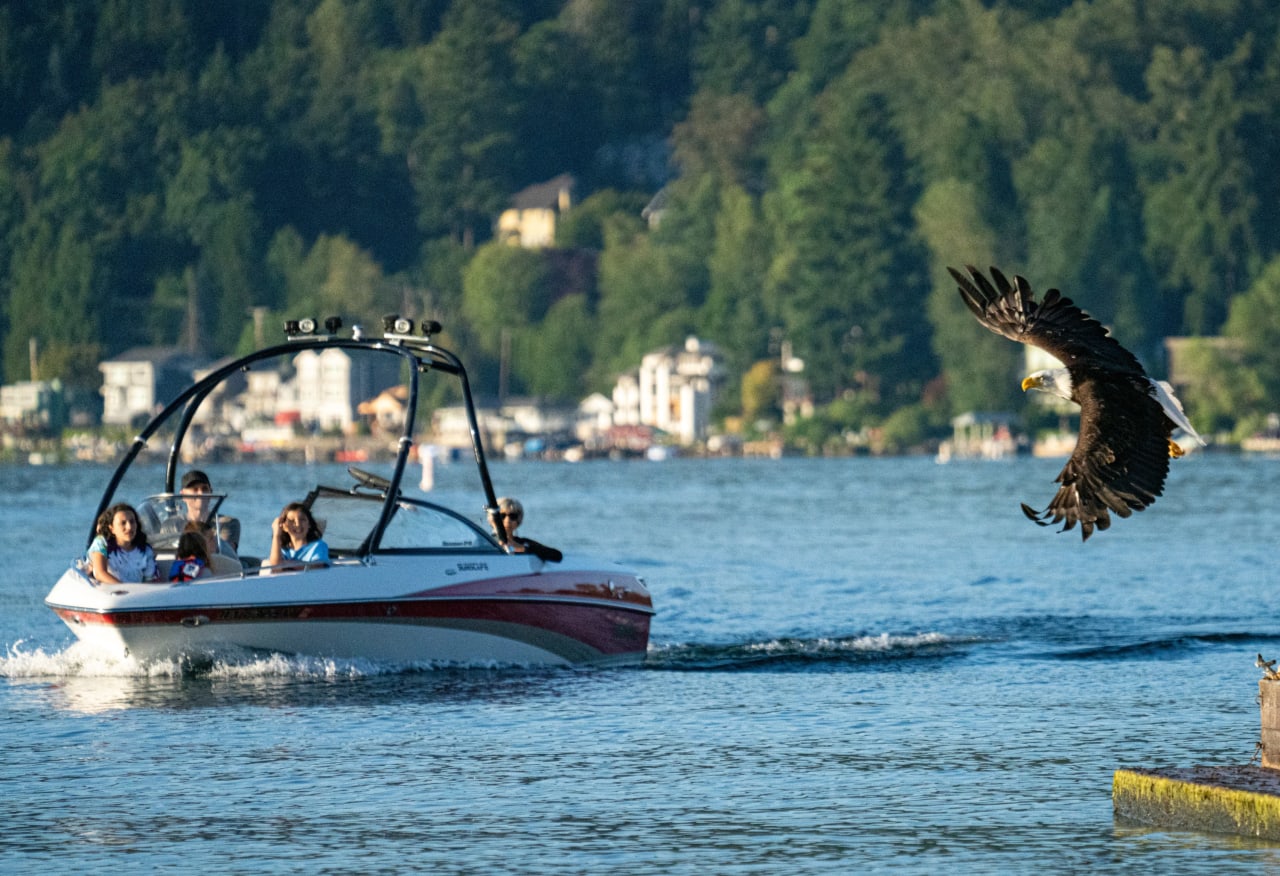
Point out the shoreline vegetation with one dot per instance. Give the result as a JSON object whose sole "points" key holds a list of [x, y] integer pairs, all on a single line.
{"points": [[98, 447]]}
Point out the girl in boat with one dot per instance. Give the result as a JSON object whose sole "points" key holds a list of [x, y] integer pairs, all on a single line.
{"points": [[192, 559], [119, 553], [296, 541]]}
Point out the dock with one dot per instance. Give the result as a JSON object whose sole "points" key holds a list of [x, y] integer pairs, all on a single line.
{"points": [[1235, 799]]}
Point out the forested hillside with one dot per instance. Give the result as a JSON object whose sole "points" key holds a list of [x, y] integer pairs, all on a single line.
{"points": [[168, 165]]}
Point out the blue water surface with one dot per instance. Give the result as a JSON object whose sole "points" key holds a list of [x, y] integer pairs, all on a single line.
{"points": [[857, 665]]}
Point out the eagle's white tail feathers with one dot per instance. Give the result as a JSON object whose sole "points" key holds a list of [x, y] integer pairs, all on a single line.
{"points": [[1173, 409]]}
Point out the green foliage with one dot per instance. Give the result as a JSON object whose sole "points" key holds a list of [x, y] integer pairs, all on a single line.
{"points": [[746, 50], [761, 392], [642, 305], [734, 315], [167, 167], [555, 360], [980, 366], [584, 227], [1220, 392], [845, 259], [1200, 203], [906, 429], [505, 288], [1252, 327], [333, 277], [53, 274], [461, 156]]}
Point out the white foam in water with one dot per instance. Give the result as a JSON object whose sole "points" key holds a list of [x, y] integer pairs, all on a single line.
{"points": [[77, 660], [81, 661], [291, 666], [882, 642]]}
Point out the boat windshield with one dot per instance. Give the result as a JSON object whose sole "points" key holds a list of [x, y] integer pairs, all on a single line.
{"points": [[422, 526], [164, 517], [348, 518]]}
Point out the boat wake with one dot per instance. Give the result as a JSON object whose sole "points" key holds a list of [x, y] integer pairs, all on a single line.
{"points": [[1165, 647], [801, 654], [78, 661]]}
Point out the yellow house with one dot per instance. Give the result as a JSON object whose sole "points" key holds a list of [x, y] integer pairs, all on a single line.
{"points": [[530, 221]]}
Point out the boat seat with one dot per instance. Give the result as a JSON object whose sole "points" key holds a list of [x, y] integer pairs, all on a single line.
{"points": [[221, 564]]}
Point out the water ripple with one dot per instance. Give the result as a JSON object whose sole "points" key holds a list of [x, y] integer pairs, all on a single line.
{"points": [[803, 654]]}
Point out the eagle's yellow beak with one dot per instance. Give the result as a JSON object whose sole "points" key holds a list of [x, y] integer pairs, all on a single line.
{"points": [[1032, 381]]}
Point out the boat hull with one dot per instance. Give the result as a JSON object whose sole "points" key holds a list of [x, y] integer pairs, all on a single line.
{"points": [[506, 611]]}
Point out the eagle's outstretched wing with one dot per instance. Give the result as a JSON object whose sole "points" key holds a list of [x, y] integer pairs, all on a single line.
{"points": [[1055, 325]]}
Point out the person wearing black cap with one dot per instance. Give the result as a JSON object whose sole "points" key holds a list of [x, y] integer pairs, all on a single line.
{"points": [[195, 484]]}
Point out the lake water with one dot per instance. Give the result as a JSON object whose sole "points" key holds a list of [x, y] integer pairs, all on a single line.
{"points": [[857, 665]]}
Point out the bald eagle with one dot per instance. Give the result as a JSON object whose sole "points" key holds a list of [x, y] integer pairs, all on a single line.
{"points": [[1127, 419]]}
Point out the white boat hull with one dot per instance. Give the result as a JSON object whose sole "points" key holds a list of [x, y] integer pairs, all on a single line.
{"points": [[503, 609]]}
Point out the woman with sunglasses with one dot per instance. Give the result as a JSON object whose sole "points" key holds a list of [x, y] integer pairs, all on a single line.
{"points": [[511, 515]]}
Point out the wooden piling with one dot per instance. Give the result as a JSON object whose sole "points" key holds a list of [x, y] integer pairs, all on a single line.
{"points": [[1269, 697]]}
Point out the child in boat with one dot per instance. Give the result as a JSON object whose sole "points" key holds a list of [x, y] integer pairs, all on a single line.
{"points": [[192, 559], [296, 541], [119, 553]]}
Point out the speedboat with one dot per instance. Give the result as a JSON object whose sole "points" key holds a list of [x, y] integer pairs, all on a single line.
{"points": [[408, 580]]}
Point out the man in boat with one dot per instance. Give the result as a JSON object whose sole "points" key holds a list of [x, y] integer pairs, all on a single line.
{"points": [[195, 487]]}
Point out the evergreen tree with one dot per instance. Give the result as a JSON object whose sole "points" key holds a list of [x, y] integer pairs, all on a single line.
{"points": [[466, 156], [1199, 198], [845, 277]]}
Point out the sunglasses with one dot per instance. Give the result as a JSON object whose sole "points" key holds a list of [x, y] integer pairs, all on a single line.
{"points": [[510, 515]]}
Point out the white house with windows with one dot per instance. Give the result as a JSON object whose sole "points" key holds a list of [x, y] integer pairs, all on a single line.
{"points": [[673, 390], [320, 390], [328, 386], [33, 404], [140, 382], [626, 400]]}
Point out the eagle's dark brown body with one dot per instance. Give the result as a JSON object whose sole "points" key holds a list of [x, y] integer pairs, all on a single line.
{"points": [[1122, 456]]}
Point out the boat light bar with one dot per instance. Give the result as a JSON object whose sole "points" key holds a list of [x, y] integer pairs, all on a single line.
{"points": [[395, 325], [307, 326]]}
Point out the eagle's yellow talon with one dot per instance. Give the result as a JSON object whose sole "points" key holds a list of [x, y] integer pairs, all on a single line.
{"points": [[1175, 451]]}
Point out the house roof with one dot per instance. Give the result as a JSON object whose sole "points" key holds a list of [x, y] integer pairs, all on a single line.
{"points": [[656, 204], [543, 195]]}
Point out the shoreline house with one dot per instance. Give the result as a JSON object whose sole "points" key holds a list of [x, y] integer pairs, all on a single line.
{"points": [[140, 382], [508, 428], [33, 405], [327, 387], [316, 391], [531, 219], [387, 410], [674, 390], [222, 409]]}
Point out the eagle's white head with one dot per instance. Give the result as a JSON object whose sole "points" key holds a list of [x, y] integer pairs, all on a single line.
{"points": [[1055, 381]]}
